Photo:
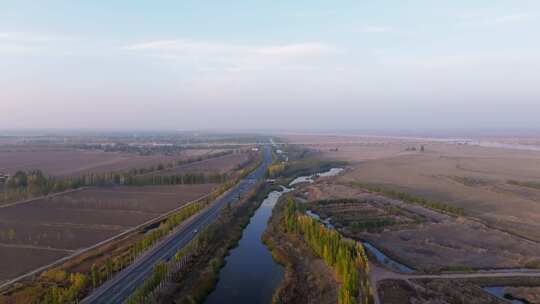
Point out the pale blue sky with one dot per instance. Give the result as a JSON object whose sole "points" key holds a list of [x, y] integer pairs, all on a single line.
{"points": [[270, 64]]}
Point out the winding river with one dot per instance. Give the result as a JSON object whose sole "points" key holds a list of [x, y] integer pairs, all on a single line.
{"points": [[250, 274]]}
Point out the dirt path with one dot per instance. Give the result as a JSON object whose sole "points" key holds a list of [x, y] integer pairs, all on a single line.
{"points": [[378, 273]]}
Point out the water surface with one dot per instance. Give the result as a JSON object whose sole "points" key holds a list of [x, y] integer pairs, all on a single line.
{"points": [[499, 292], [386, 261], [310, 178], [250, 275], [331, 172]]}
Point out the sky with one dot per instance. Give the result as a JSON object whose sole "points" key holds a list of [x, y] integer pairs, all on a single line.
{"points": [[248, 65]]}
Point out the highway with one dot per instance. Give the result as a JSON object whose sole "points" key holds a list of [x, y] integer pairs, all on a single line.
{"points": [[124, 283]]}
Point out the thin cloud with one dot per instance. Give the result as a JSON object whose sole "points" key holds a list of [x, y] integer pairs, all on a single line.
{"points": [[212, 56], [184, 46], [313, 13], [309, 48], [302, 49], [376, 29], [482, 21]]}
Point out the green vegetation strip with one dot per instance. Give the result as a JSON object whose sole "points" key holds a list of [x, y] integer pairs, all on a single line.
{"points": [[26, 185], [346, 257], [532, 185], [68, 294], [139, 296], [369, 224], [205, 254], [406, 197]]}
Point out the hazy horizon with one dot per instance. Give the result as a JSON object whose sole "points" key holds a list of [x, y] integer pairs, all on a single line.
{"points": [[465, 133], [416, 66]]}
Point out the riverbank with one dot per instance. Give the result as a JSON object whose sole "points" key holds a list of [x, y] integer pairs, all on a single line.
{"points": [[250, 274], [307, 278], [194, 282]]}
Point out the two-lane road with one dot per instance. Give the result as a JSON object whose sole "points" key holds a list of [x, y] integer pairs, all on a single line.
{"points": [[121, 286]]}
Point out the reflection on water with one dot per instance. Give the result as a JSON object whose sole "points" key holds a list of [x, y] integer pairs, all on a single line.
{"points": [[301, 179], [310, 178], [331, 172], [250, 274], [326, 221], [499, 292], [386, 261]]}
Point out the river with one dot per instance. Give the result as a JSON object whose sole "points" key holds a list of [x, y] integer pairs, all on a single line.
{"points": [[250, 274]]}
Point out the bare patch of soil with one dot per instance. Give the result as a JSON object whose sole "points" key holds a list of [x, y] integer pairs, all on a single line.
{"points": [[80, 219]]}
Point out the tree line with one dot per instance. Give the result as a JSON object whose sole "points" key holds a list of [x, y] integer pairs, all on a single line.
{"points": [[34, 183], [64, 288], [59, 286], [210, 245], [28, 184], [76, 282], [346, 257], [406, 197]]}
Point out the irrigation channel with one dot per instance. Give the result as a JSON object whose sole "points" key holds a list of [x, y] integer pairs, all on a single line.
{"points": [[500, 293], [250, 274]]}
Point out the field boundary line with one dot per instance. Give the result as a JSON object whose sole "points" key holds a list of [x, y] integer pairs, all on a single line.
{"points": [[503, 230], [104, 242], [36, 247], [44, 196]]}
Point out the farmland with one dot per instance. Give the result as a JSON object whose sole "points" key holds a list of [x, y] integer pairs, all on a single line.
{"points": [[220, 165], [57, 223], [445, 210], [486, 182], [74, 162], [39, 232], [419, 237], [501, 223]]}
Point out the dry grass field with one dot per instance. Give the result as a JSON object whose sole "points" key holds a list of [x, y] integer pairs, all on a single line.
{"points": [[472, 177], [501, 226], [39, 232], [416, 236]]}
